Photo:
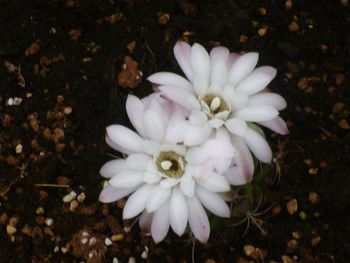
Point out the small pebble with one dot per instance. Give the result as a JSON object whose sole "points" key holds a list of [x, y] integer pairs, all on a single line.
{"points": [[314, 197], [73, 205], [108, 241], [132, 260], [81, 197], [49, 221], [39, 210], [19, 148], [115, 260], [117, 237], [69, 197], [292, 206], [10, 230]]}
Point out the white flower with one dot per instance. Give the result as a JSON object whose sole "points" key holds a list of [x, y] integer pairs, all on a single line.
{"points": [[223, 89], [169, 183]]}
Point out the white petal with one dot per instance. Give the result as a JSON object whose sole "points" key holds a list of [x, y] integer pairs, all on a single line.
{"points": [[197, 134], [257, 80], [220, 146], [181, 96], [201, 67], [216, 183], [182, 52], [201, 172], [110, 194], [198, 117], [178, 212], [242, 67], [198, 219], [158, 197], [145, 222], [232, 59], [150, 147], [153, 125], [117, 147], [216, 123], [136, 203], [258, 145], [277, 125], [236, 126], [221, 165], [219, 54], [256, 113], [195, 155], [138, 161], [187, 185], [160, 223], [219, 73], [242, 169], [238, 100], [168, 183], [135, 109], [125, 137], [213, 202], [170, 79], [268, 98], [127, 179], [113, 167]]}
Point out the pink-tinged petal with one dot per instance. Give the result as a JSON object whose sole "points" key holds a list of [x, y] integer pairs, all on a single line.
{"points": [[125, 137], [257, 80], [277, 125], [213, 202], [203, 171], [215, 183], [198, 117], [198, 219], [238, 100], [232, 59], [258, 145], [256, 113], [197, 134], [242, 167], [187, 185], [268, 98], [216, 123], [135, 109], [113, 167], [195, 155], [221, 165], [219, 73], [236, 126], [117, 147], [136, 203], [178, 212], [145, 222], [182, 52], [111, 194], [219, 54], [180, 96], [201, 67], [160, 223], [153, 125], [170, 79], [158, 197], [127, 179], [242, 67], [219, 147], [138, 161]]}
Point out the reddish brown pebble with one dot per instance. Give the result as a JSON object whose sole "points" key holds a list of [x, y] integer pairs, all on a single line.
{"points": [[314, 198], [32, 49], [292, 206]]}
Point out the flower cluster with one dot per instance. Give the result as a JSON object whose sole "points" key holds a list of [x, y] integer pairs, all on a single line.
{"points": [[194, 138]]}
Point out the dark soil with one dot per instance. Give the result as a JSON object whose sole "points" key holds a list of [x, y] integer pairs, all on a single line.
{"points": [[60, 62]]}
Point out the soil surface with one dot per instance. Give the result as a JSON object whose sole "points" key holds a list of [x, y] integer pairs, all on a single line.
{"points": [[66, 68]]}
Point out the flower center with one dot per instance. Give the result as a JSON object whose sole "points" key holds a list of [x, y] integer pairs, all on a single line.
{"points": [[215, 104], [171, 164]]}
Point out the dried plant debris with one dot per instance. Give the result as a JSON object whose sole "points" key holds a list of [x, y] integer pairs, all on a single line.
{"points": [[130, 76]]}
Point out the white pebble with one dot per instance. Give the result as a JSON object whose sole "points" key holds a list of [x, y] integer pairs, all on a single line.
{"points": [[81, 197], [92, 241], [132, 260], [84, 240], [115, 260], [49, 221], [69, 197], [19, 148], [108, 241]]}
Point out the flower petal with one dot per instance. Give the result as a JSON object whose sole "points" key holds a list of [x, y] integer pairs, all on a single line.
{"points": [[111, 194], [135, 109], [117, 147], [257, 80], [256, 113], [221, 165], [168, 183], [268, 98], [182, 52], [215, 183], [145, 222], [125, 137], [242, 67], [178, 212], [170, 79], [219, 54], [136, 203], [195, 155], [201, 67], [216, 123], [236, 126], [197, 134], [213, 202], [160, 223], [219, 147], [158, 197], [153, 125], [127, 179], [187, 185], [138, 161], [181, 96], [277, 125], [219, 72], [198, 219], [113, 167], [258, 145], [198, 117]]}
